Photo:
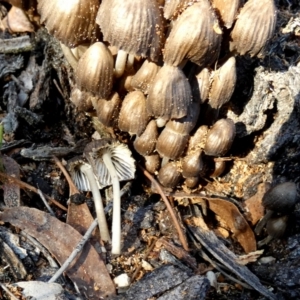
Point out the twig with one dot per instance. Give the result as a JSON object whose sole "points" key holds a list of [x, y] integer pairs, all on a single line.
{"points": [[75, 252], [16, 45], [72, 186], [29, 187], [169, 207], [11, 295], [46, 203]]}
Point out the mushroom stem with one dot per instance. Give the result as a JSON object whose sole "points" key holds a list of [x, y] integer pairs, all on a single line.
{"points": [[72, 60], [120, 63], [87, 170], [130, 62], [116, 219]]}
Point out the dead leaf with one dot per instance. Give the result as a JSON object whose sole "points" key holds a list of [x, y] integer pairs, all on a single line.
{"points": [[11, 190], [17, 21], [88, 271], [232, 217], [227, 258], [254, 208]]}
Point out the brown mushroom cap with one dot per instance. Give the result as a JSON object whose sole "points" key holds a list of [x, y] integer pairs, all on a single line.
{"points": [[133, 117], [170, 94], [134, 26], [169, 175], [255, 25], [223, 84], [194, 36], [220, 138], [71, 21], [227, 10], [95, 70]]}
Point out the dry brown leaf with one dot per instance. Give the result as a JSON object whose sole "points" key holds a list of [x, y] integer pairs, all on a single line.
{"points": [[232, 217], [88, 271], [254, 208], [17, 21], [11, 190]]}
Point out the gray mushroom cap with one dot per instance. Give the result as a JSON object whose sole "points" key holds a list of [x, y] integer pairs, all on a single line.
{"points": [[120, 156]]}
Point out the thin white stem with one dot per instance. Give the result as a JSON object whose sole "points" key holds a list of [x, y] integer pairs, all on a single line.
{"points": [[116, 219], [120, 63], [87, 170], [130, 62]]}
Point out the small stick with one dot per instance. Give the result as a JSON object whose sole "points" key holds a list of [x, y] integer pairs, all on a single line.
{"points": [[29, 187], [75, 252], [46, 203], [169, 207], [11, 295]]}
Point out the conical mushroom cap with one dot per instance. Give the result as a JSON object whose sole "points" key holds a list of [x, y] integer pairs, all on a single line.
{"points": [[133, 117], [134, 26], [195, 36], [255, 25], [227, 10], [95, 70], [170, 94], [120, 156], [71, 21], [223, 84]]}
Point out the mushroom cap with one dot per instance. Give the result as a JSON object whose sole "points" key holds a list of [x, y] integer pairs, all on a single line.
{"points": [[255, 25], [133, 117], [95, 70], [227, 10], [120, 156], [79, 178], [194, 36], [134, 26], [223, 84], [71, 21], [170, 94]]}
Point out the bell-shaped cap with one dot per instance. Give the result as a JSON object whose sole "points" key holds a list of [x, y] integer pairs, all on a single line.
{"points": [[134, 26], [255, 25], [196, 36], [71, 21]]}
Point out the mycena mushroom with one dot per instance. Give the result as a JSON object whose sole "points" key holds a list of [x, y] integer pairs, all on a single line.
{"points": [[111, 162]]}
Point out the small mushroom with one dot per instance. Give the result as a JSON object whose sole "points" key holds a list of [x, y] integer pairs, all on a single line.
{"points": [[112, 162], [169, 175], [281, 198], [249, 39], [134, 27], [72, 21], [94, 72], [85, 180]]}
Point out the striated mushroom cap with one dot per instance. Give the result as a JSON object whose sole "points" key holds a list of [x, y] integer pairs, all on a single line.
{"points": [[223, 84], [200, 85], [169, 175], [133, 26], [144, 77], [95, 70], [145, 143], [72, 21], [255, 25], [195, 36], [108, 110], [171, 144], [133, 117], [220, 138], [227, 10], [192, 164], [170, 94], [120, 156]]}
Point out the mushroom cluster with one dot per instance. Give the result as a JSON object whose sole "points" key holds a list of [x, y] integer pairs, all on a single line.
{"points": [[147, 67]]}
